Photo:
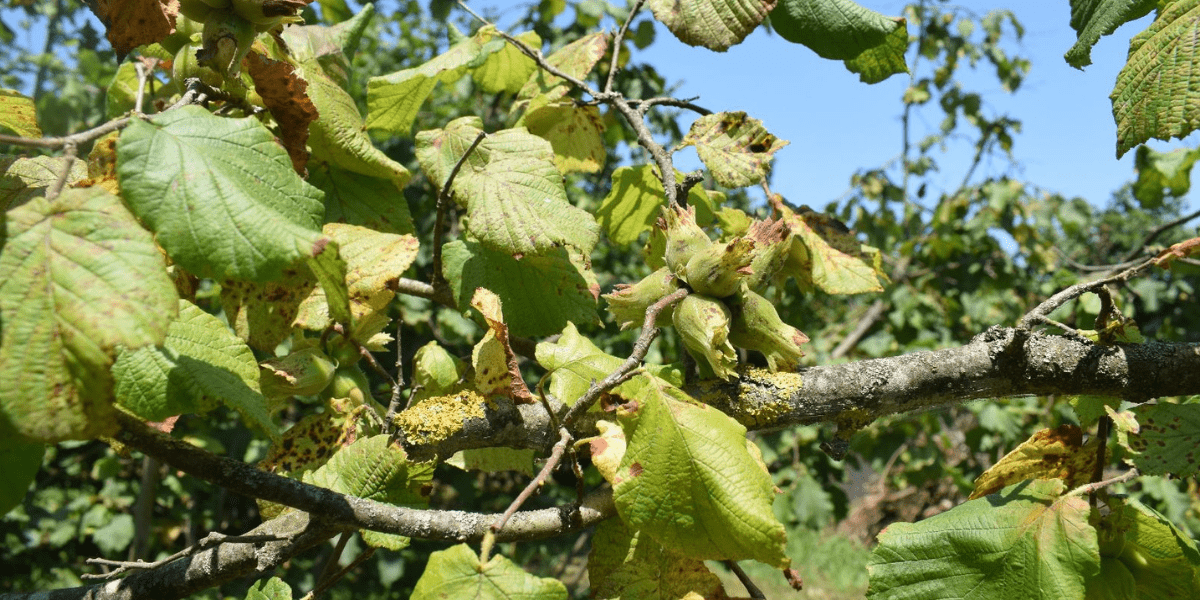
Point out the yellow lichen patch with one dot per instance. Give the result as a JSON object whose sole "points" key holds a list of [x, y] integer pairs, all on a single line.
{"points": [[765, 412], [435, 419]]}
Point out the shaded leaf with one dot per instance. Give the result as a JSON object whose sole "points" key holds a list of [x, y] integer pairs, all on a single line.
{"points": [[714, 24], [352, 198], [1155, 94], [494, 460], [199, 365], [24, 178], [1167, 441], [496, 367], [688, 480], [843, 30], [20, 463], [629, 564], [132, 23], [1162, 174], [79, 279], [544, 292], [513, 193], [1024, 542], [633, 202], [262, 313], [184, 175], [457, 573], [331, 47], [1092, 19]]}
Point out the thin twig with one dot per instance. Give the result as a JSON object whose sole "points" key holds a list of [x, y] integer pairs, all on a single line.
{"points": [[331, 563], [1157, 231], [1092, 487], [751, 589], [64, 172], [1052, 303], [689, 181], [210, 541], [617, 39], [1102, 429], [327, 583], [642, 105], [443, 204], [626, 370], [556, 454], [398, 384]]}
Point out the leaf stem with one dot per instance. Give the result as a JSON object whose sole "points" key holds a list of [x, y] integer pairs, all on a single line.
{"points": [[751, 589]]}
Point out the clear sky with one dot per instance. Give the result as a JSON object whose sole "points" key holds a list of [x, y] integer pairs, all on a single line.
{"points": [[838, 125]]}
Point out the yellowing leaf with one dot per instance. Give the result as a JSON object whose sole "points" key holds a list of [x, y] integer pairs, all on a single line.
{"points": [[625, 563], [736, 148], [18, 114], [79, 279], [575, 59], [827, 256], [24, 178], [714, 24], [1049, 454], [496, 368], [575, 134]]}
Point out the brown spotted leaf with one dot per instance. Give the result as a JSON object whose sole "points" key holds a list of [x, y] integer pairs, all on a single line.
{"points": [[18, 114], [1181, 250], [284, 94], [574, 132], [262, 313], [575, 59], [736, 148], [626, 563], [496, 368], [132, 23], [1166, 440], [827, 256], [1050, 454], [714, 24], [310, 443]]}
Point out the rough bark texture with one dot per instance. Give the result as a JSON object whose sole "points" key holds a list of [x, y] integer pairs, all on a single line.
{"points": [[998, 363]]}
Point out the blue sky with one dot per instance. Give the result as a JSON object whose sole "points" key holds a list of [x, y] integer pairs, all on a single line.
{"points": [[838, 125]]}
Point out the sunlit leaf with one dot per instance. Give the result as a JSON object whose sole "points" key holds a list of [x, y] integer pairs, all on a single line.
{"points": [[457, 573], [737, 149], [184, 175], [543, 293], [1155, 94], [338, 136], [714, 24], [512, 191], [1024, 542], [575, 133], [199, 365], [18, 114], [79, 279], [575, 59], [688, 480], [826, 256], [1050, 453], [507, 69]]}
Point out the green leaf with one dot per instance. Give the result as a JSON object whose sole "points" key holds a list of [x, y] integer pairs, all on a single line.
{"points": [[393, 100], [629, 564], [23, 178], [736, 148], [457, 573], [507, 69], [1166, 440], [713, 24], [1162, 174], [18, 114], [872, 44], [199, 364], [115, 535], [79, 278], [574, 363], [330, 271], [331, 47], [511, 189], [273, 588], [493, 460], [1089, 409], [185, 175], [338, 137], [1163, 560], [574, 132], [1157, 89], [632, 204], [20, 463], [1023, 542], [542, 293], [1093, 19], [358, 200], [688, 479]]}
